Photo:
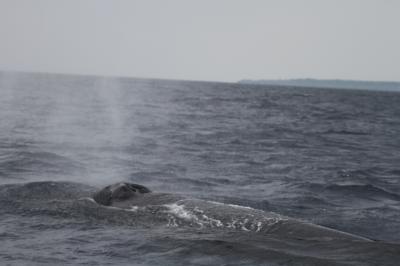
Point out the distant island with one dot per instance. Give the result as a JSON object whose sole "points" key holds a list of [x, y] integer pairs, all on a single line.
{"points": [[330, 83]]}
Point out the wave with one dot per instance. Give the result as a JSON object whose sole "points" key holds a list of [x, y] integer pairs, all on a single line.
{"points": [[45, 191], [345, 132], [18, 163], [366, 191]]}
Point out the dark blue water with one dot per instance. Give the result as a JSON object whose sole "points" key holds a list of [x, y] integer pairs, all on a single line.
{"points": [[326, 157]]}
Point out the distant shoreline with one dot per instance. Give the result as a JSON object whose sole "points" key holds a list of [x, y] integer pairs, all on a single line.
{"points": [[313, 83], [330, 83]]}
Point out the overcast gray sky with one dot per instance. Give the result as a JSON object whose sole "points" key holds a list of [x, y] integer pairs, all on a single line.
{"points": [[224, 40]]}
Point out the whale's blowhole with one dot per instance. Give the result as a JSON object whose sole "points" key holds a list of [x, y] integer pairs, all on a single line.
{"points": [[119, 192]]}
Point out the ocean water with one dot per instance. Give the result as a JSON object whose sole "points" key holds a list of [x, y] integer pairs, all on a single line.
{"points": [[263, 168]]}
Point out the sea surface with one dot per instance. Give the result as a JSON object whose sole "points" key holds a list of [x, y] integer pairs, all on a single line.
{"points": [[258, 155]]}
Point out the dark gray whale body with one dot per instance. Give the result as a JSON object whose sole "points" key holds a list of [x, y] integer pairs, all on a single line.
{"points": [[174, 221], [179, 211]]}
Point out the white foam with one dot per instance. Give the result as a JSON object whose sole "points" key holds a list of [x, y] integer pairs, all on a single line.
{"points": [[87, 198], [231, 205], [195, 217], [134, 208], [180, 212]]}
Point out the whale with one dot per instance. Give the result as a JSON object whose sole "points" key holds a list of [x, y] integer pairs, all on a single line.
{"points": [[182, 211], [172, 220]]}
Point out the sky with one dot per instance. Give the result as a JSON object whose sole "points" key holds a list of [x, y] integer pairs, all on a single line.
{"points": [[216, 40]]}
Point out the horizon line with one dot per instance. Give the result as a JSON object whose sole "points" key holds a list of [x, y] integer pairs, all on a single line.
{"points": [[190, 80]]}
